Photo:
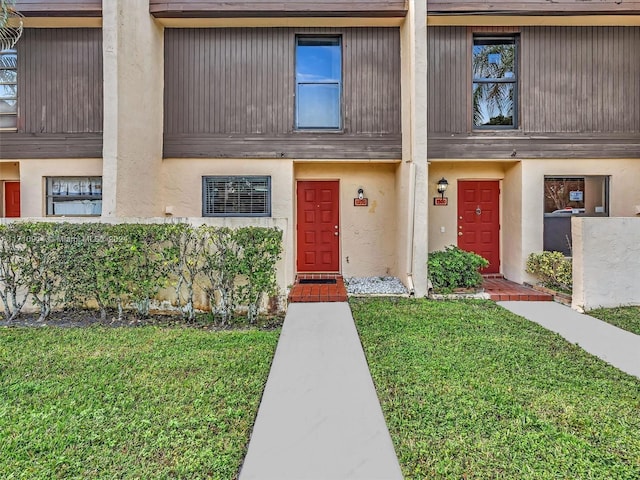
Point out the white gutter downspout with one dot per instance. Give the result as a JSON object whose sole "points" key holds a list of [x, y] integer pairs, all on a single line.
{"points": [[411, 227]]}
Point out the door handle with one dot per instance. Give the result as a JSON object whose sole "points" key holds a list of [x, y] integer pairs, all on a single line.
{"points": [[459, 234], [336, 233]]}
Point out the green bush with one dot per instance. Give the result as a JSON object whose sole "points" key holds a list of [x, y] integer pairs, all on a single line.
{"points": [[553, 270], [453, 268], [125, 266]]}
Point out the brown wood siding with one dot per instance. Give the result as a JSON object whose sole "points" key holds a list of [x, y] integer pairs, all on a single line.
{"points": [[60, 80], [68, 8], [511, 148], [448, 79], [52, 145], [278, 8], [580, 79], [579, 95], [534, 7], [240, 83], [60, 101]]}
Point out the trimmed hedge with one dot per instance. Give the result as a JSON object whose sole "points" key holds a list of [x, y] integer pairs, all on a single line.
{"points": [[453, 268], [124, 266]]}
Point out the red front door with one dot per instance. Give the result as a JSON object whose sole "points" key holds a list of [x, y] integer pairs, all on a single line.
{"points": [[11, 199], [479, 220], [318, 226]]}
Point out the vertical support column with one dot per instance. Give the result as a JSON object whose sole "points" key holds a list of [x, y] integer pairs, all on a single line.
{"points": [[133, 109], [411, 176]]}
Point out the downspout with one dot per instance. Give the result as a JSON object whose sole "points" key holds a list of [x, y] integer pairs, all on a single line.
{"points": [[411, 227]]}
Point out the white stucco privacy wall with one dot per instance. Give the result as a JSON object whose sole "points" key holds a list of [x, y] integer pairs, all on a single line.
{"points": [[606, 262]]}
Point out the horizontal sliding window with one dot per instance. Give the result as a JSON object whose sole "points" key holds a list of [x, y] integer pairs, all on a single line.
{"points": [[74, 196], [236, 196], [8, 89]]}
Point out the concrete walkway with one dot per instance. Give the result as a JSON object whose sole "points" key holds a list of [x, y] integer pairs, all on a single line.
{"points": [[320, 417], [612, 344]]}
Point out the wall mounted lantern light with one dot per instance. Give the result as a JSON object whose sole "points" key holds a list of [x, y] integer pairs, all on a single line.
{"points": [[442, 186], [360, 193]]}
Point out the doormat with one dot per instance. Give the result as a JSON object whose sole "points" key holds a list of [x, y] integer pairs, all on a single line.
{"points": [[318, 281]]}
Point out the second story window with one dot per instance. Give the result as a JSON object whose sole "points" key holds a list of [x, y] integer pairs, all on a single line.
{"points": [[8, 90], [495, 82], [318, 83]]}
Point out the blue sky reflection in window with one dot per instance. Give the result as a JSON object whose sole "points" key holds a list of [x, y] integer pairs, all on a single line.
{"points": [[318, 82]]}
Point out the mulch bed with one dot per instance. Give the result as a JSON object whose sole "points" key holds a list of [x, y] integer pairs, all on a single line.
{"points": [[91, 318]]}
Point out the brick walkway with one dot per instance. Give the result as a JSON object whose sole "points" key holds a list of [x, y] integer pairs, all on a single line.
{"points": [[502, 290], [312, 288]]}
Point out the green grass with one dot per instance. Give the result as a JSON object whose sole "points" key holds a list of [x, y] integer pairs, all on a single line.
{"points": [[470, 390], [627, 318], [128, 403]]}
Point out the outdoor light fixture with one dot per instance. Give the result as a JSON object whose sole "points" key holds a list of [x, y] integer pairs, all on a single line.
{"points": [[360, 193], [442, 186]]}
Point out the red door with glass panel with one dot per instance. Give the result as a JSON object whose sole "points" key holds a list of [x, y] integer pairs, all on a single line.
{"points": [[318, 232], [11, 199], [479, 220]]}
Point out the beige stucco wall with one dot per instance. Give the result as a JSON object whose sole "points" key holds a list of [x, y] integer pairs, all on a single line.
{"points": [[367, 234], [412, 211], [180, 184], [446, 217], [32, 179], [133, 54], [606, 262], [512, 220], [624, 193], [521, 200]]}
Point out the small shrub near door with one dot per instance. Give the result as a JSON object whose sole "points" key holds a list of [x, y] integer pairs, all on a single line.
{"points": [[553, 269], [455, 268]]}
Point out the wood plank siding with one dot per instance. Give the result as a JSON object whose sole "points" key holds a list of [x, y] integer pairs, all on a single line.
{"points": [[279, 8], [59, 95], [533, 7], [230, 93], [579, 95], [59, 8]]}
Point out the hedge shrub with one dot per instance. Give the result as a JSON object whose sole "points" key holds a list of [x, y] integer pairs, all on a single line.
{"points": [[124, 266], [453, 268], [553, 270]]}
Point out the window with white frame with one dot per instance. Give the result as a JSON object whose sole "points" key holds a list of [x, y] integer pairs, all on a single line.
{"points": [[318, 82], [8, 89], [74, 196], [236, 196], [495, 82]]}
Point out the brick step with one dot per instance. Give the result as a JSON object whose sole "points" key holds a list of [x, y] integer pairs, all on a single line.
{"points": [[318, 292]]}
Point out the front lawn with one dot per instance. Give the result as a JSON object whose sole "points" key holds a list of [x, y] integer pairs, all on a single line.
{"points": [[128, 402], [626, 318], [470, 390]]}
